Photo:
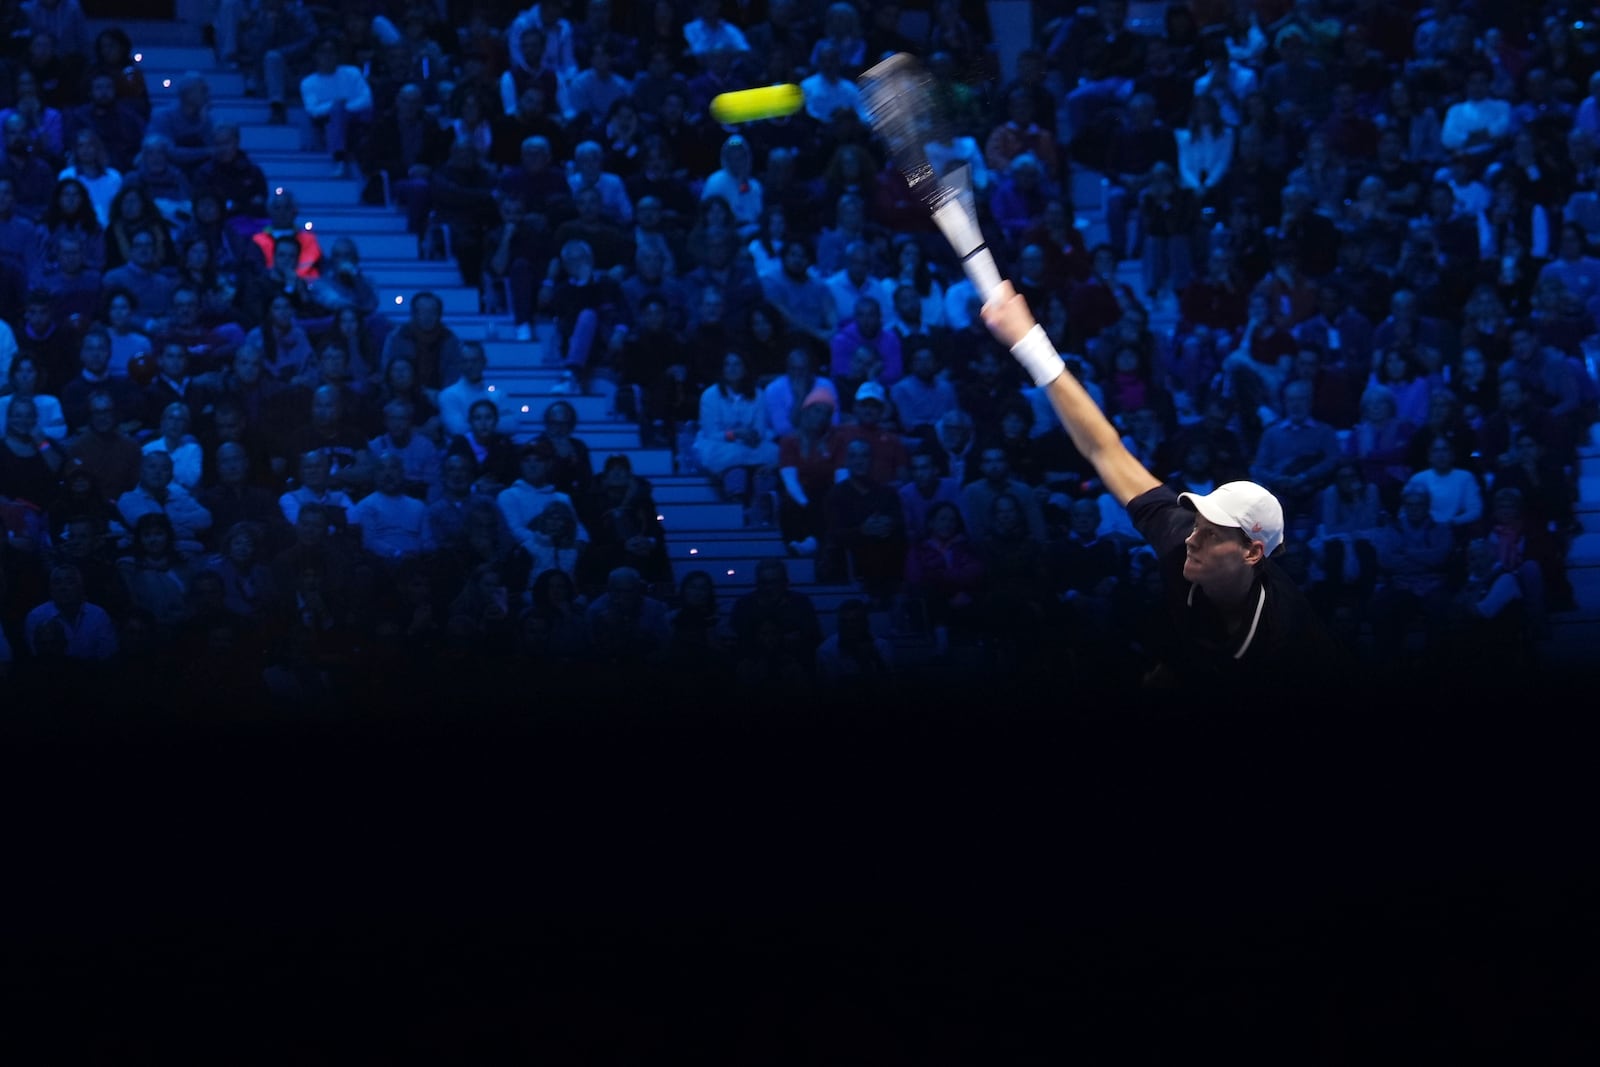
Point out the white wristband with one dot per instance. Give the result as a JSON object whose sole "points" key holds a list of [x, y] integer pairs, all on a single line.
{"points": [[1038, 357]]}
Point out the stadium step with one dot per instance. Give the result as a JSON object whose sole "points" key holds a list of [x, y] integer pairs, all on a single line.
{"points": [[158, 56], [354, 221], [457, 300], [146, 33], [704, 493], [415, 277], [392, 247], [743, 571], [321, 191], [684, 520], [276, 138], [163, 80]]}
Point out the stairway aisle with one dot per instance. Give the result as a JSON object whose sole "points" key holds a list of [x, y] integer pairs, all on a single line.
{"points": [[703, 532]]}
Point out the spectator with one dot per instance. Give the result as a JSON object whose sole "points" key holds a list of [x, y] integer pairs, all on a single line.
{"points": [[1108, 58], [979, 496], [285, 349], [493, 454], [620, 514], [235, 499], [456, 400], [118, 124], [393, 524], [828, 91], [316, 488], [158, 492], [1413, 559], [787, 617], [105, 450], [30, 173], [277, 43], [627, 627], [1455, 500], [1140, 142], [337, 98], [425, 342], [806, 462], [246, 580], [406, 144], [1347, 514], [922, 397], [586, 173], [525, 500], [734, 441], [176, 441], [1297, 455], [86, 629], [1169, 214], [890, 460], [804, 303], [1479, 124], [418, 455], [736, 184], [155, 576], [1297, 84], [865, 331], [185, 126], [925, 491], [587, 305], [592, 92]]}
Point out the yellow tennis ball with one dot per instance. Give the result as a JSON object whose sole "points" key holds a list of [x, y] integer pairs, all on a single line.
{"points": [[752, 105]]}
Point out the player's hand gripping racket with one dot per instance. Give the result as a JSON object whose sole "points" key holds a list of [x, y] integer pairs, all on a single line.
{"points": [[898, 94]]}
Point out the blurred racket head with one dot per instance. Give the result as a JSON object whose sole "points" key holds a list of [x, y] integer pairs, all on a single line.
{"points": [[898, 96]]}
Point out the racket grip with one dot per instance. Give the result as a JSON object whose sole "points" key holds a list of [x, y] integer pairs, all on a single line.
{"points": [[982, 272], [961, 230]]}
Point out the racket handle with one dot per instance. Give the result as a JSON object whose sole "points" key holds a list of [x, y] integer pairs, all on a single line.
{"points": [[982, 272], [961, 230]]}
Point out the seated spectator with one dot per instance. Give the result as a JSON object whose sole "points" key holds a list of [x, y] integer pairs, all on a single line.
{"points": [[461, 193], [554, 545], [1379, 442], [132, 215], [233, 176], [1168, 216], [456, 400], [1016, 587], [734, 441], [143, 277], [331, 434], [32, 176], [1479, 124], [1455, 500], [161, 180], [29, 463], [247, 591], [1413, 560], [316, 488], [804, 303], [786, 395], [207, 345], [158, 492], [889, 458], [627, 626], [117, 124], [494, 455], [1347, 513], [607, 240], [176, 441], [1296, 456], [235, 499], [276, 44], [573, 472], [829, 91], [406, 144], [393, 524], [853, 654], [978, 497], [282, 221], [285, 348], [1020, 134], [587, 173], [806, 465], [786, 618], [922, 397], [525, 500], [944, 570], [424, 341], [620, 514], [588, 307], [419, 457], [155, 575], [926, 489], [336, 98], [24, 379], [72, 215], [85, 629], [107, 452], [865, 330]]}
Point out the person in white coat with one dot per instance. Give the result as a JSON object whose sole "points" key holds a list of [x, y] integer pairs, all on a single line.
{"points": [[1205, 149], [735, 433], [335, 97]]}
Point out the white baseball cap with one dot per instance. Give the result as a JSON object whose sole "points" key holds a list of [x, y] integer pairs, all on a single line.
{"points": [[872, 391], [1244, 505]]}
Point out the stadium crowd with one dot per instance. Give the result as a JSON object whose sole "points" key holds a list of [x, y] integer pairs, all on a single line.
{"points": [[1363, 230]]}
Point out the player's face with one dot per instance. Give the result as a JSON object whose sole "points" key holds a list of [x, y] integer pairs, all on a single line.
{"points": [[1215, 553]]}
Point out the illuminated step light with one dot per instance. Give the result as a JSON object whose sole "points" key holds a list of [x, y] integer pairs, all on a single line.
{"points": [[166, 83], [138, 57], [399, 300], [491, 388], [278, 191], [694, 552], [730, 574], [525, 411], [308, 225]]}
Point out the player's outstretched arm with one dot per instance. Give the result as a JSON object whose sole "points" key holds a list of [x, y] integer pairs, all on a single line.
{"points": [[1008, 318]]}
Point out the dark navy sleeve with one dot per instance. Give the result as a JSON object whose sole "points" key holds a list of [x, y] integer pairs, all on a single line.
{"points": [[1161, 519]]}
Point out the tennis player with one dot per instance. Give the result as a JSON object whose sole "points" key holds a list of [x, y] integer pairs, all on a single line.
{"points": [[1236, 615]]}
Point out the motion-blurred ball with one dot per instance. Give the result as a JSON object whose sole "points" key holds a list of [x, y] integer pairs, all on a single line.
{"points": [[752, 105]]}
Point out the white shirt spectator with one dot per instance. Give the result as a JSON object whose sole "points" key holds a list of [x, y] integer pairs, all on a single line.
{"points": [[419, 456], [592, 93], [291, 503], [825, 95], [1203, 160], [393, 527], [956, 298], [52, 423], [92, 635], [944, 155], [721, 36], [1453, 497], [845, 293], [1488, 116], [558, 54], [102, 190], [744, 198], [455, 404], [188, 460], [319, 92], [613, 194], [188, 518], [522, 503], [1229, 92]]}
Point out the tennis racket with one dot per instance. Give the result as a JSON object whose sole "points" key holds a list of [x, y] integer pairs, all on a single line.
{"points": [[899, 100]]}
